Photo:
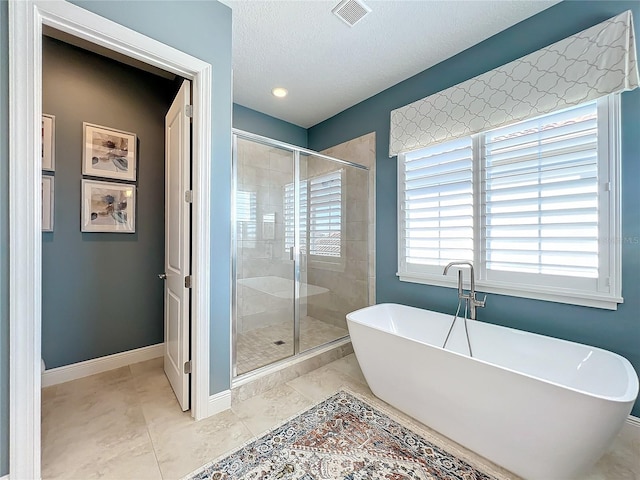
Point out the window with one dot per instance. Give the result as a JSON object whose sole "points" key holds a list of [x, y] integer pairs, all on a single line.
{"points": [[289, 215], [325, 215], [320, 217], [533, 205], [438, 206], [246, 217]]}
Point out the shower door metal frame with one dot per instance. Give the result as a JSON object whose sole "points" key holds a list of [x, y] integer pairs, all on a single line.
{"points": [[234, 254], [296, 253], [296, 151]]}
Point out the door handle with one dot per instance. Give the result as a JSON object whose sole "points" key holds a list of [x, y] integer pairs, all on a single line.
{"points": [[162, 276]]}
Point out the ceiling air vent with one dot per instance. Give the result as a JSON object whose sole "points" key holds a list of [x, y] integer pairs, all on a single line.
{"points": [[351, 11]]}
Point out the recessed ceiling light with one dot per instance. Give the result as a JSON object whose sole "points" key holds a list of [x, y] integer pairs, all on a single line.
{"points": [[279, 92]]}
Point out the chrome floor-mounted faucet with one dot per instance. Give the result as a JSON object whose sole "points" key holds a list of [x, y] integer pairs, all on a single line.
{"points": [[469, 297]]}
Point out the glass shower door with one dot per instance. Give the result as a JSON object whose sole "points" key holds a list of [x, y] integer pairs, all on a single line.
{"points": [[333, 248], [301, 243], [265, 287]]}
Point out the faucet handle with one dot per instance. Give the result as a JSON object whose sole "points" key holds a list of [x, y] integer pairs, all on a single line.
{"points": [[481, 303]]}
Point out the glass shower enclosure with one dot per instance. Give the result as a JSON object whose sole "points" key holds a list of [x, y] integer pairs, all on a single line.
{"points": [[300, 243]]}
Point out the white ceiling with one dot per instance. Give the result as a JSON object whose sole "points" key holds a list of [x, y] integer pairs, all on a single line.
{"points": [[328, 66]]}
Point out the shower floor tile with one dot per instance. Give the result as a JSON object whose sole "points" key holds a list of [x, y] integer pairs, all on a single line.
{"points": [[261, 346]]}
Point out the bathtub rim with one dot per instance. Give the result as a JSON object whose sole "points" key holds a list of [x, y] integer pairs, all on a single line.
{"points": [[632, 385]]}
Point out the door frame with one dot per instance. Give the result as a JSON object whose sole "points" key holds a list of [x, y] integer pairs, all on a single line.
{"points": [[26, 18]]}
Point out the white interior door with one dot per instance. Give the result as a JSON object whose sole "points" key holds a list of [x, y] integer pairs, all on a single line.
{"points": [[177, 244]]}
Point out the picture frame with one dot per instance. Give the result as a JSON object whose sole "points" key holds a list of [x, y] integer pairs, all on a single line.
{"points": [[108, 207], [47, 203], [48, 142], [108, 153]]}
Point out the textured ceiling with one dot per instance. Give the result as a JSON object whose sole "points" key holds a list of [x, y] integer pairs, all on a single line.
{"points": [[328, 66]]}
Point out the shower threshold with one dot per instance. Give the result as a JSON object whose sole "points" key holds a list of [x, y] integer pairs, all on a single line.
{"points": [[284, 363]]}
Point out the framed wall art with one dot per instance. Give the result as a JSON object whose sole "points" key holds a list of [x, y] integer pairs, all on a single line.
{"points": [[108, 153], [108, 207], [47, 203], [48, 142]]}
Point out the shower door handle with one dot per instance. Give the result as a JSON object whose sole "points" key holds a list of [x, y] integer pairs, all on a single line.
{"points": [[291, 255]]}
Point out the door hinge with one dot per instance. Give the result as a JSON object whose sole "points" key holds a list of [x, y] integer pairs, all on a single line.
{"points": [[188, 196], [187, 281], [187, 367], [188, 111]]}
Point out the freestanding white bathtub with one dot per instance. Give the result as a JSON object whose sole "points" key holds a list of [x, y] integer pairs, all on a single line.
{"points": [[540, 407]]}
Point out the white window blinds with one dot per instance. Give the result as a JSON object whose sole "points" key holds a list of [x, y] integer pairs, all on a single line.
{"points": [[246, 215], [534, 205], [541, 190], [325, 214], [436, 186], [320, 215], [289, 216]]}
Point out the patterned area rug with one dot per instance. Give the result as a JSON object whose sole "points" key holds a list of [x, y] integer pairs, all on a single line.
{"points": [[345, 438]]}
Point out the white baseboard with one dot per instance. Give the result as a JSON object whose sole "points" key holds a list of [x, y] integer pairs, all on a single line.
{"points": [[74, 371], [633, 421], [6, 477], [219, 402]]}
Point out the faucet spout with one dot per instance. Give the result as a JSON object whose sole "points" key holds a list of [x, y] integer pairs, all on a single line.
{"points": [[462, 264], [471, 296]]}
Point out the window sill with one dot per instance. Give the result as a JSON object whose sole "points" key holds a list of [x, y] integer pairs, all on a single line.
{"points": [[607, 302]]}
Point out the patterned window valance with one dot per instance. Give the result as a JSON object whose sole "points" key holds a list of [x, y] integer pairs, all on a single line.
{"points": [[593, 63]]}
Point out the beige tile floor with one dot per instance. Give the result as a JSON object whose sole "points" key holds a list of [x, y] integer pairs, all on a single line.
{"points": [[257, 347], [126, 424]]}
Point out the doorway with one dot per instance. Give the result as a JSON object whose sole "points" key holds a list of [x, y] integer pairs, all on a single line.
{"points": [[25, 222], [103, 249]]}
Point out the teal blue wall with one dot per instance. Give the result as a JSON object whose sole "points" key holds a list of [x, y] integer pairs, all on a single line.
{"points": [[261, 124], [203, 30], [100, 291], [4, 241], [618, 331]]}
